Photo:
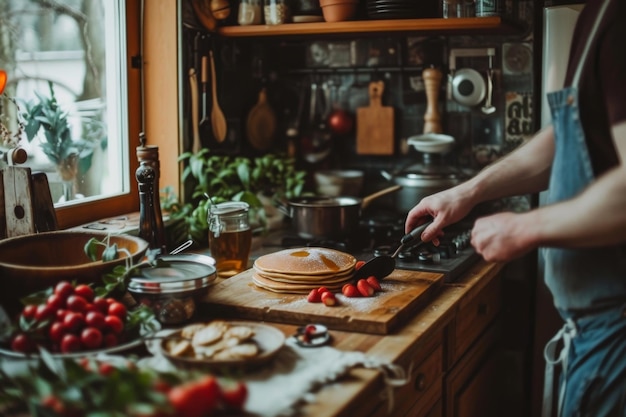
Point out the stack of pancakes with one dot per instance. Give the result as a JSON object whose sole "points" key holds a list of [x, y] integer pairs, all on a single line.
{"points": [[299, 270]]}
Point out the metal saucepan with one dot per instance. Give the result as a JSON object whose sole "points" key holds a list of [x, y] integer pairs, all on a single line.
{"points": [[329, 217]]}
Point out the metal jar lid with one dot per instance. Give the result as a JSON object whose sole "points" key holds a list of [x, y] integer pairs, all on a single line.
{"points": [[174, 274], [229, 208]]}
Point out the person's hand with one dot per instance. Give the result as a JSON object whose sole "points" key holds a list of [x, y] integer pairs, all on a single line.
{"points": [[445, 207], [501, 237]]}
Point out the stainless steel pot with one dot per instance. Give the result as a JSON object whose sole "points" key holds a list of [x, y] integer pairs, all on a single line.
{"points": [[329, 217], [419, 181]]}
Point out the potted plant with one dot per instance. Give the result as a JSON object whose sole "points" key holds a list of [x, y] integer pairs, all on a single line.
{"points": [[46, 116], [218, 178]]}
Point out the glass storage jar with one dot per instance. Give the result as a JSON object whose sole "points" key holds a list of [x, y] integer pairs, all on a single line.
{"points": [[276, 12], [230, 237], [250, 12]]}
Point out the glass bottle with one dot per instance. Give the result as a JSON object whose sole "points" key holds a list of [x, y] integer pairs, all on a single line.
{"points": [[250, 12], [276, 12]]}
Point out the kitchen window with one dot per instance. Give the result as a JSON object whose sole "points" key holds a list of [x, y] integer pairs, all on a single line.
{"points": [[69, 71]]}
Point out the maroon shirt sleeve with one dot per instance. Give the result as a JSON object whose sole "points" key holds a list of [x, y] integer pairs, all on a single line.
{"points": [[603, 81]]}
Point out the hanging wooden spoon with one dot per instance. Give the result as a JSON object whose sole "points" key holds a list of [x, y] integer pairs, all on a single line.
{"points": [[217, 116]]}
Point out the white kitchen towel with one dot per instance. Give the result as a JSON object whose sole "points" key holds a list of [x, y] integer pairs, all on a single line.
{"points": [[291, 379]]}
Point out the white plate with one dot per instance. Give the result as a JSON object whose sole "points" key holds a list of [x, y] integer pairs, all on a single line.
{"points": [[147, 329], [269, 339]]}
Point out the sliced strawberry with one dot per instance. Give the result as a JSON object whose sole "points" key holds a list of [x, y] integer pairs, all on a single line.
{"points": [[359, 264], [373, 281], [349, 290], [314, 296], [364, 288], [329, 298]]}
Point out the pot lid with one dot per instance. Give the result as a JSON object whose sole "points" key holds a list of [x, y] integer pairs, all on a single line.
{"points": [[174, 274], [430, 170]]}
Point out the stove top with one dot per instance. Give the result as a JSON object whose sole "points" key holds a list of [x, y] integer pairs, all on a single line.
{"points": [[381, 234]]}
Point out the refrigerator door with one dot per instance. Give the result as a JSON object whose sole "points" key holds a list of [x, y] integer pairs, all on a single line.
{"points": [[558, 26]]}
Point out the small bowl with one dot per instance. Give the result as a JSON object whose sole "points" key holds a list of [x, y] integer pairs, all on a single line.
{"points": [[37, 261], [339, 182], [338, 10], [173, 287]]}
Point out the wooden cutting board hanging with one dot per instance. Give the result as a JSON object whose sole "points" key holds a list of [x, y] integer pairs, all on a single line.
{"points": [[375, 124], [261, 123]]}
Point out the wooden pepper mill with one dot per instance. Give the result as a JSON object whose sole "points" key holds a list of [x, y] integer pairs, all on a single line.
{"points": [[432, 82]]}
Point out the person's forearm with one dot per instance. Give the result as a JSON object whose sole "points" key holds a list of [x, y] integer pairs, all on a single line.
{"points": [[526, 170], [596, 217]]}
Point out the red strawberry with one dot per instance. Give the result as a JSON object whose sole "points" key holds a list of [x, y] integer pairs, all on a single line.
{"points": [[234, 395], [364, 288], [329, 299], [349, 290], [322, 290], [359, 264], [314, 296], [373, 281]]}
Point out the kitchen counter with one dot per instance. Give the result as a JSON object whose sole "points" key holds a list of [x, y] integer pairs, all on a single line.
{"points": [[443, 346]]}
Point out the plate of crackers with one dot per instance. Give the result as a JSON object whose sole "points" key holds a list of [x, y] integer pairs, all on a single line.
{"points": [[218, 344]]}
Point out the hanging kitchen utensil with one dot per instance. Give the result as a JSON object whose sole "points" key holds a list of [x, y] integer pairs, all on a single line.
{"points": [[383, 265], [218, 121], [375, 124], [204, 122], [195, 125], [202, 8], [467, 86], [316, 143], [488, 108], [261, 123]]}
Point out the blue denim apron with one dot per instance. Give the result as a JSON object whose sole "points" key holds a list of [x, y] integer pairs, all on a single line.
{"points": [[592, 344]]}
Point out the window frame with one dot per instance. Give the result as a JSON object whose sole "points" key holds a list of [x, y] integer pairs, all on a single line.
{"points": [[81, 213]]}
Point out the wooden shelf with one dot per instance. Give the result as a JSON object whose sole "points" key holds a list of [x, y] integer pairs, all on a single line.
{"points": [[365, 26]]}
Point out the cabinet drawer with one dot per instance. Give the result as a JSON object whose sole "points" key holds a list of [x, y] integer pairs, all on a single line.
{"points": [[474, 317], [424, 386]]}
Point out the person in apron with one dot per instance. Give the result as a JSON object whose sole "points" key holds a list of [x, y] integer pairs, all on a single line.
{"points": [[581, 230]]}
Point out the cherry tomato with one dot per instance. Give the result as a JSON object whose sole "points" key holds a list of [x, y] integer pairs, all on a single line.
{"points": [[234, 395], [101, 305], [114, 324], [64, 289], [105, 368], [95, 319], [117, 309], [70, 343], [74, 321], [110, 340], [195, 398], [43, 312], [61, 313], [57, 331], [55, 404], [56, 302], [85, 291], [91, 338], [76, 303], [29, 311], [22, 343]]}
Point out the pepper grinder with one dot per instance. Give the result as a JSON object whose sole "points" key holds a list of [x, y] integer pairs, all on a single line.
{"points": [[432, 82], [150, 217]]}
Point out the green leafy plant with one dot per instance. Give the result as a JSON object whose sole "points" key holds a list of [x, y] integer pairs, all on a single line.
{"points": [[46, 115], [233, 178]]}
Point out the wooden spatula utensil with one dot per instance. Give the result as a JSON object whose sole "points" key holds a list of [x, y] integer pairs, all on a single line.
{"points": [[218, 120]]}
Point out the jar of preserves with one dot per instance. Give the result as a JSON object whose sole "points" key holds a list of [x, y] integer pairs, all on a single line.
{"points": [[250, 12], [276, 12], [230, 237]]}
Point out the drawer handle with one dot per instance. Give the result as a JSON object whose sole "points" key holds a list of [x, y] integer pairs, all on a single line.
{"points": [[483, 309], [420, 382]]}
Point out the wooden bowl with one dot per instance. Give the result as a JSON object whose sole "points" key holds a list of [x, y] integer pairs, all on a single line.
{"points": [[34, 262]]}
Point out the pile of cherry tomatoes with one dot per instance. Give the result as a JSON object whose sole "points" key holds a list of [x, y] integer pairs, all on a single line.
{"points": [[71, 319]]}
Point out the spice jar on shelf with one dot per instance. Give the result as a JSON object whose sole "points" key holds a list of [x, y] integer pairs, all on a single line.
{"points": [[276, 12], [250, 12]]}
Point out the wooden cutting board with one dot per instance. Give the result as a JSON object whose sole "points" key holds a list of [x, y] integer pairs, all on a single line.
{"points": [[404, 293], [375, 124]]}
